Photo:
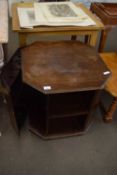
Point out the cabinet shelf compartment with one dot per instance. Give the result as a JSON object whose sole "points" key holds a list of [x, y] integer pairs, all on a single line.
{"points": [[66, 126], [59, 115], [70, 104]]}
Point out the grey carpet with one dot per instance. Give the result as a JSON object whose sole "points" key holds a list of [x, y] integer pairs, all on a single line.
{"points": [[93, 153]]}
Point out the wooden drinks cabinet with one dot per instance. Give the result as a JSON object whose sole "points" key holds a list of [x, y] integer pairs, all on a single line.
{"points": [[65, 79]]}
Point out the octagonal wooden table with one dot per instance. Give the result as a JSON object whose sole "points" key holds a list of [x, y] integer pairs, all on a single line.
{"points": [[65, 80]]}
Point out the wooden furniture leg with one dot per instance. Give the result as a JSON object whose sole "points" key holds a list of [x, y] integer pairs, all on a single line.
{"points": [[22, 39], [93, 38], [103, 38], [109, 115]]}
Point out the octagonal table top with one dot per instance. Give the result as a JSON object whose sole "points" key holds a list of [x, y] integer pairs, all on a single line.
{"points": [[63, 66]]}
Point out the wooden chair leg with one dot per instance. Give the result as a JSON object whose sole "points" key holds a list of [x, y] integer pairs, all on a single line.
{"points": [[109, 114], [103, 38]]}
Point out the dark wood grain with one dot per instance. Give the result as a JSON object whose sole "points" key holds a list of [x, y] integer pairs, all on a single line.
{"points": [[63, 66], [74, 71]]}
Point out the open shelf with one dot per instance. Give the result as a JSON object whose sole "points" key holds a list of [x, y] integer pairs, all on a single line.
{"points": [[69, 104], [67, 125], [60, 127], [73, 114], [59, 115]]}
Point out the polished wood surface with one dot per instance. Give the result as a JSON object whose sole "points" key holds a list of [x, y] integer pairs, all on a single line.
{"points": [[63, 67], [110, 60], [70, 30]]}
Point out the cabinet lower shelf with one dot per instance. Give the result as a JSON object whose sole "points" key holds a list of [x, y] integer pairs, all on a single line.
{"points": [[56, 132], [60, 115]]}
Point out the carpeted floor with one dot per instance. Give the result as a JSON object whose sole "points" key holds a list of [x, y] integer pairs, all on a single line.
{"points": [[92, 153]]}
